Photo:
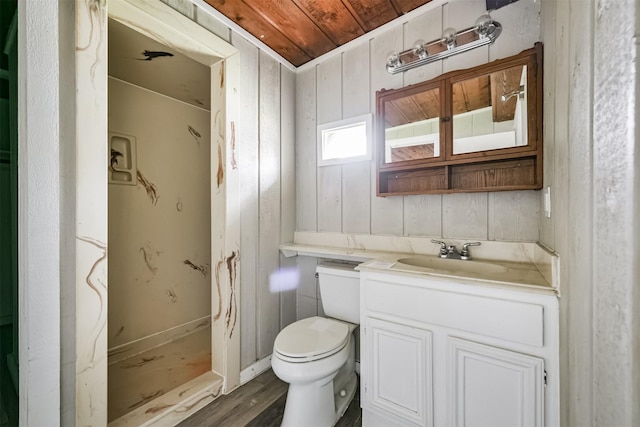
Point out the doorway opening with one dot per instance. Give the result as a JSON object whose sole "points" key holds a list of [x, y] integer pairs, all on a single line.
{"points": [[158, 129], [159, 220]]}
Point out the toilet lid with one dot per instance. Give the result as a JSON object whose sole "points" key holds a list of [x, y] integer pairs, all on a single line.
{"points": [[312, 338]]}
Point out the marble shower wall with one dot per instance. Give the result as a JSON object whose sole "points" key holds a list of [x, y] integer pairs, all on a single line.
{"points": [[84, 310], [159, 229]]}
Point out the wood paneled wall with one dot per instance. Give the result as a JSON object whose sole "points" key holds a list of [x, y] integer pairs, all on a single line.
{"points": [[265, 147], [342, 198], [591, 168], [581, 54]]}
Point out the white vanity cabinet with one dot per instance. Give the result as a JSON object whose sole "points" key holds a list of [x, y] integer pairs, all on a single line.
{"points": [[445, 352], [399, 370]]}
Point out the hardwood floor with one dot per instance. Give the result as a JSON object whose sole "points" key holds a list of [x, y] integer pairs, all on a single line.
{"points": [[259, 403]]}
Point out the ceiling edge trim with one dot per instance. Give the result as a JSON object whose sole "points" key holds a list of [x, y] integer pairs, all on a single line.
{"points": [[163, 24], [209, 10], [433, 4]]}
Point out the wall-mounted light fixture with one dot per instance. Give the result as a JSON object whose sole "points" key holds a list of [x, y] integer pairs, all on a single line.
{"points": [[485, 31]]}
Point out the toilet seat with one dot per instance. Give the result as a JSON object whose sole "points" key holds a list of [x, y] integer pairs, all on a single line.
{"points": [[311, 339]]}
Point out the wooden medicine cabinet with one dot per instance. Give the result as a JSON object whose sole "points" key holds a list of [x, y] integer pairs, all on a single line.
{"points": [[470, 130]]}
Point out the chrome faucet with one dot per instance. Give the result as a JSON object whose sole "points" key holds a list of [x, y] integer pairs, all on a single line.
{"points": [[450, 252], [443, 248]]}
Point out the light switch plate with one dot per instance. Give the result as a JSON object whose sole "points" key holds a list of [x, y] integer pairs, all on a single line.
{"points": [[547, 202]]}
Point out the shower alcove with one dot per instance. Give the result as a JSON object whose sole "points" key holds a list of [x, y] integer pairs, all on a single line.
{"points": [[172, 318]]}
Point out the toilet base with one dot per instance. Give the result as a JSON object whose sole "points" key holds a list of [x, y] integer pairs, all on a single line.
{"points": [[322, 403], [342, 402], [328, 407]]}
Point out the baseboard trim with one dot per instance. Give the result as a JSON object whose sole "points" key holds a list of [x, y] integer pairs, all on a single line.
{"points": [[254, 370]]}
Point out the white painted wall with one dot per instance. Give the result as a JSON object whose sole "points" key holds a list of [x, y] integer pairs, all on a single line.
{"points": [[594, 187], [39, 178], [591, 136], [342, 198]]}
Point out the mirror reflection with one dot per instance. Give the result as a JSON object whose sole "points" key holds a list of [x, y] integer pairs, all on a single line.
{"points": [[476, 129], [490, 111], [412, 127]]}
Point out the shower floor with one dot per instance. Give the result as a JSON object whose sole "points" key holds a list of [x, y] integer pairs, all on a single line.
{"points": [[139, 379]]}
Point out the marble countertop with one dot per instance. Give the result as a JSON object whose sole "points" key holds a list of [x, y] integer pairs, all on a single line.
{"points": [[520, 264]]}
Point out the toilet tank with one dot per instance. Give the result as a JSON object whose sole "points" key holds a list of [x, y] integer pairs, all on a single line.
{"points": [[340, 290]]}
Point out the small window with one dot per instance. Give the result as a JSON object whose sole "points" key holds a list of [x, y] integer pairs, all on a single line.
{"points": [[344, 141]]}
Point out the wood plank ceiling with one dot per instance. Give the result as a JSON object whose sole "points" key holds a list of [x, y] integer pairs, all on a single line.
{"points": [[302, 30]]}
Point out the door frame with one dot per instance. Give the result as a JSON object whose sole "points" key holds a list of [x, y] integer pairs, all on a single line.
{"points": [[62, 232]]}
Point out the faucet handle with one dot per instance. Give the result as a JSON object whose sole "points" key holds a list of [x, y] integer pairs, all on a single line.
{"points": [[443, 247], [465, 249], [442, 244]]}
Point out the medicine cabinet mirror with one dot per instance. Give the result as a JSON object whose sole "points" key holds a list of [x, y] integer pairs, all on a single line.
{"points": [[469, 130]]}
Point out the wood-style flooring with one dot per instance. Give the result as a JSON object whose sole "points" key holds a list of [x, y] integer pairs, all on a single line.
{"points": [[259, 403]]}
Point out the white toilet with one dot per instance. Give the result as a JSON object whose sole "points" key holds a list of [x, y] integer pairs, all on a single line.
{"points": [[316, 356]]}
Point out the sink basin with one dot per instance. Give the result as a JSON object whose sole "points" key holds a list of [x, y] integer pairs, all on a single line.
{"points": [[453, 265], [491, 271]]}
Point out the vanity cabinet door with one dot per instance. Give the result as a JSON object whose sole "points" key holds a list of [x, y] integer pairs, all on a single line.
{"points": [[489, 386], [398, 378]]}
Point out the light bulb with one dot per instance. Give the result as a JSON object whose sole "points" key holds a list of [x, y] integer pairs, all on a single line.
{"points": [[419, 50], [393, 60], [449, 37], [483, 24]]}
